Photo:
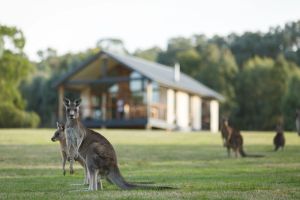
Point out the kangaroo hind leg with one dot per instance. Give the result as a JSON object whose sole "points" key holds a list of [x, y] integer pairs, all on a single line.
{"points": [[93, 179]]}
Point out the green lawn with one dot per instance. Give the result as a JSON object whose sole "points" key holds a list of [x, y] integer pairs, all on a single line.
{"points": [[195, 163]]}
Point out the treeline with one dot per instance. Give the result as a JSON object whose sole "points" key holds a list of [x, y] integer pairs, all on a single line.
{"points": [[258, 73]]}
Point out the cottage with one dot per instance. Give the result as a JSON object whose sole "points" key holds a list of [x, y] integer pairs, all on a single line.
{"points": [[125, 91]]}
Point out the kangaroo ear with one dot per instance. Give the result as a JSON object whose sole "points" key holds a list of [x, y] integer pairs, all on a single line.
{"points": [[62, 127], [67, 102], [77, 102]]}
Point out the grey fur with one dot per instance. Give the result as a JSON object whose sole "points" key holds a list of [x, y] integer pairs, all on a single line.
{"points": [[59, 135], [73, 130], [97, 152]]}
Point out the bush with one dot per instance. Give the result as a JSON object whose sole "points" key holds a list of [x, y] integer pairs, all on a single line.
{"points": [[12, 117]]}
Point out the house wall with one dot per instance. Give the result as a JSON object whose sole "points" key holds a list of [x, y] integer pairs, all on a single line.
{"points": [[170, 106], [86, 103], [182, 110], [214, 116], [196, 112]]}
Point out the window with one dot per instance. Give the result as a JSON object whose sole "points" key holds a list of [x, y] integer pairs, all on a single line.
{"points": [[114, 88], [155, 92], [159, 102], [96, 107], [136, 82]]}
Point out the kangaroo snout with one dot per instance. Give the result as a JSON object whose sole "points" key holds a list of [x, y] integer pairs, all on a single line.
{"points": [[53, 139]]}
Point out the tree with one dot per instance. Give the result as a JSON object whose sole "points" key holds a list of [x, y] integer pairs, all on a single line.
{"points": [[14, 67], [189, 61], [218, 70], [150, 54], [112, 44], [251, 88], [175, 46], [291, 102], [278, 40], [261, 88]]}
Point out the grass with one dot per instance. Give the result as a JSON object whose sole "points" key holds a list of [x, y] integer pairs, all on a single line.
{"points": [[195, 163]]}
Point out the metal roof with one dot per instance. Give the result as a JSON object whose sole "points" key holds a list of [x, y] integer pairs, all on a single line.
{"points": [[157, 72]]}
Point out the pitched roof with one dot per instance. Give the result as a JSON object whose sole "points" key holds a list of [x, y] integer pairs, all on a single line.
{"points": [[157, 72]]}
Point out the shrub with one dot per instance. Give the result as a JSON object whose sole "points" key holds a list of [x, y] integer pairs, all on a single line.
{"points": [[12, 117]]}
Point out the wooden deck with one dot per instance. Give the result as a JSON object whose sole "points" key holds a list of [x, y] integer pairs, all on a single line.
{"points": [[128, 123], [117, 123]]}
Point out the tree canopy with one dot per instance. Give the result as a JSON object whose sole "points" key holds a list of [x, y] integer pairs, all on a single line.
{"points": [[14, 67]]}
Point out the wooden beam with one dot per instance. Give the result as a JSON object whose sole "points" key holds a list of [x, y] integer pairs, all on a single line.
{"points": [[104, 66], [60, 103], [103, 107], [102, 80], [149, 102], [214, 116]]}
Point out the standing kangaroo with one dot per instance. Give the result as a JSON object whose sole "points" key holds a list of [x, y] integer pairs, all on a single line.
{"points": [[279, 140], [97, 152], [232, 139], [59, 135], [225, 131]]}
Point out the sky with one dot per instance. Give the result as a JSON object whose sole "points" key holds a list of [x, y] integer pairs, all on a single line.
{"points": [[76, 25]]}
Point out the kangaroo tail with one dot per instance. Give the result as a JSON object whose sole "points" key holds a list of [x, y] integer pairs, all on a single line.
{"points": [[142, 182], [243, 154], [255, 156], [115, 176]]}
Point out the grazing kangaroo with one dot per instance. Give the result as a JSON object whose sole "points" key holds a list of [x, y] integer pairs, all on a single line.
{"points": [[232, 139], [298, 121], [59, 135], [97, 152], [279, 140]]}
